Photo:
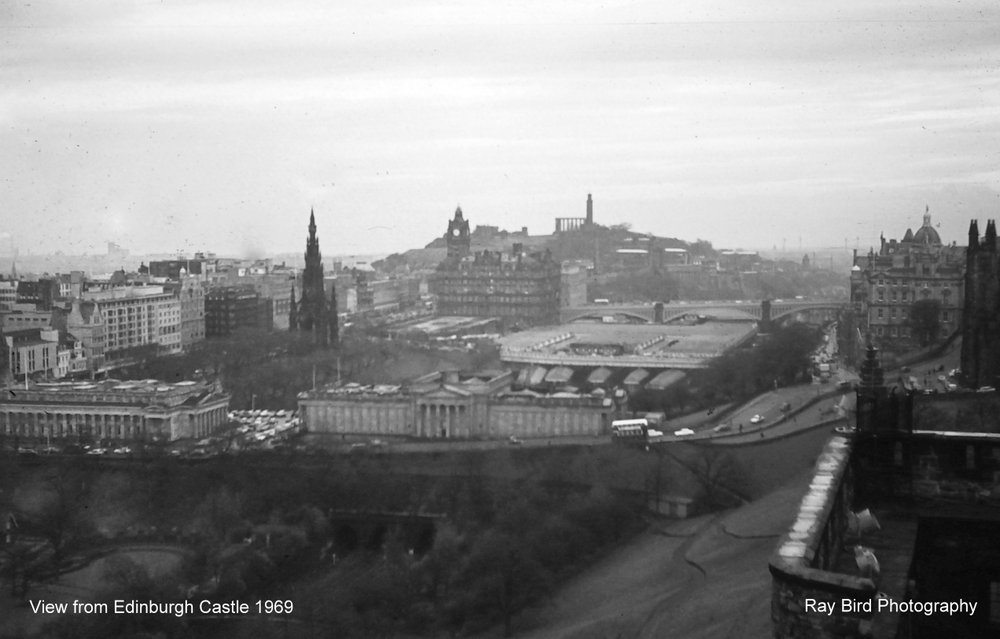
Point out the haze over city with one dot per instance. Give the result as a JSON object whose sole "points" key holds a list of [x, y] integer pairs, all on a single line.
{"points": [[185, 126]]}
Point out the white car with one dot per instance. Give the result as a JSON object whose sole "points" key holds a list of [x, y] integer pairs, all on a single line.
{"points": [[756, 419], [652, 432], [684, 432]]}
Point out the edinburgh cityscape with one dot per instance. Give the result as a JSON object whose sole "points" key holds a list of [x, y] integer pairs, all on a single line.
{"points": [[556, 320]]}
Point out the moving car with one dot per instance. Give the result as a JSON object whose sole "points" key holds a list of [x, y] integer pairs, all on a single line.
{"points": [[756, 419], [684, 432]]}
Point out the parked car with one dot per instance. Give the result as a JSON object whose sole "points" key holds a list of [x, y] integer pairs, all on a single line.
{"points": [[684, 432], [756, 419], [514, 441]]}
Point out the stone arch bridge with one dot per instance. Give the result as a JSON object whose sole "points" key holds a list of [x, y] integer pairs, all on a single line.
{"points": [[661, 313]]}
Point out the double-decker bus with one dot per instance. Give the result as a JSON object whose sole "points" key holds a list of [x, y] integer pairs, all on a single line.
{"points": [[629, 429]]}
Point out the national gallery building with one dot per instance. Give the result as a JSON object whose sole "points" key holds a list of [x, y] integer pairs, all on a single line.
{"points": [[479, 405]]}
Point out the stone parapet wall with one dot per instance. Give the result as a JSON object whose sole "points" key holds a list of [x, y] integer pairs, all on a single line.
{"points": [[802, 566]]}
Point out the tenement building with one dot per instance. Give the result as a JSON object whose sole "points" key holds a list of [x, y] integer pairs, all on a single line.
{"points": [[479, 405], [190, 291], [520, 288], [137, 316], [886, 286], [231, 308], [981, 319], [132, 411]]}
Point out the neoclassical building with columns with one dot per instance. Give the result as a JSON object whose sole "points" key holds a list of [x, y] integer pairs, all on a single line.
{"points": [[125, 411], [453, 405]]}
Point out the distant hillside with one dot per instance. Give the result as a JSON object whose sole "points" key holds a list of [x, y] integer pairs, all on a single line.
{"points": [[580, 244]]}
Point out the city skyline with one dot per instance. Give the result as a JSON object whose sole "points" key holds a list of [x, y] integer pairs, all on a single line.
{"points": [[194, 126]]}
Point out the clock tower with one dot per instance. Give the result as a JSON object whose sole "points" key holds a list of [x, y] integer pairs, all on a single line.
{"points": [[458, 238]]}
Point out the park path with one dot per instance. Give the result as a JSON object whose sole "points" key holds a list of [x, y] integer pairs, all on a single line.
{"points": [[702, 578], [17, 618]]}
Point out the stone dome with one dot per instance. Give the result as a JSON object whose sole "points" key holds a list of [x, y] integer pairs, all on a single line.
{"points": [[926, 234]]}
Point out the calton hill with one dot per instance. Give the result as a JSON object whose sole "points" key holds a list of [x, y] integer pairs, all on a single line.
{"points": [[374, 545]]}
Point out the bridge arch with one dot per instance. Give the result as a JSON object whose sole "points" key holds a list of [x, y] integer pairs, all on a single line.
{"points": [[784, 312], [732, 313]]}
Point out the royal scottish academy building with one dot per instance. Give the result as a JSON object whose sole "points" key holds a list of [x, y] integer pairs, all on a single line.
{"points": [[129, 411]]}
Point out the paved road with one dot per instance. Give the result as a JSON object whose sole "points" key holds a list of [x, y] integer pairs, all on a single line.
{"points": [[702, 578], [768, 406]]}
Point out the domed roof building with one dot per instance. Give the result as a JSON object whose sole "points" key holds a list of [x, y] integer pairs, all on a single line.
{"points": [[925, 235], [885, 284]]}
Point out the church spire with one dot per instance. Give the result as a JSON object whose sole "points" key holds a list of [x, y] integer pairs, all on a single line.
{"points": [[973, 235]]}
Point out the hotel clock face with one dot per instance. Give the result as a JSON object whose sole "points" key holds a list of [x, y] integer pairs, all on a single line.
{"points": [[455, 232]]}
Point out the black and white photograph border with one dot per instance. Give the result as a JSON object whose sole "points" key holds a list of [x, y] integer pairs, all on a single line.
{"points": [[488, 319]]}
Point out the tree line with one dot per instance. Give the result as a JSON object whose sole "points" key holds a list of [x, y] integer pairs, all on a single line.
{"points": [[260, 531]]}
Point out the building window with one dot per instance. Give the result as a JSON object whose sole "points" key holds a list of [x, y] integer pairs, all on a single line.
{"points": [[881, 313]]}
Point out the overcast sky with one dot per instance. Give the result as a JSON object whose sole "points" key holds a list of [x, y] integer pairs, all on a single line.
{"points": [[193, 125]]}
